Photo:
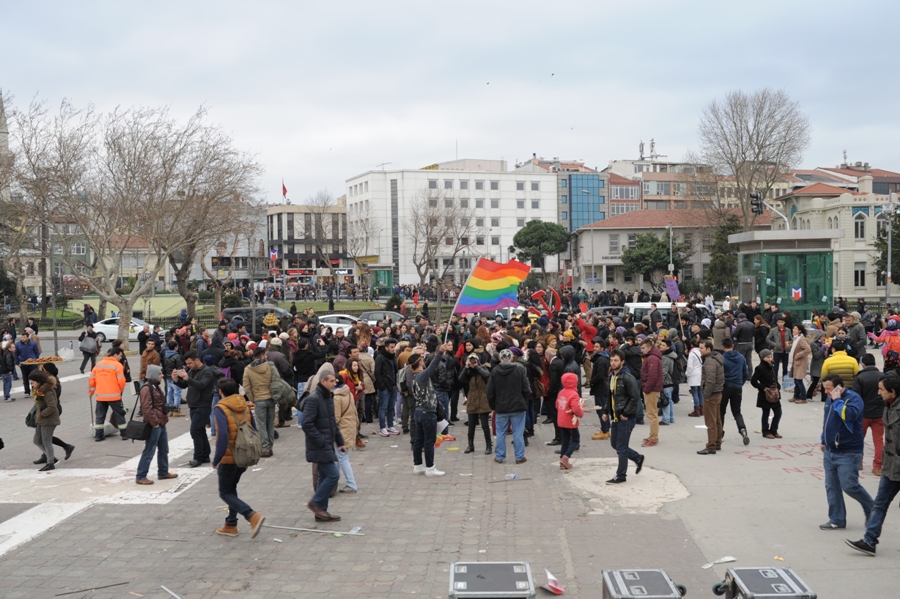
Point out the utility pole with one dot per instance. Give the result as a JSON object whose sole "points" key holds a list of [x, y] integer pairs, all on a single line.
{"points": [[671, 262], [891, 211]]}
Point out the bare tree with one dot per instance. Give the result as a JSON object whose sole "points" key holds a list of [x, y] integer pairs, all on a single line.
{"points": [[131, 178], [752, 140], [247, 228], [324, 232]]}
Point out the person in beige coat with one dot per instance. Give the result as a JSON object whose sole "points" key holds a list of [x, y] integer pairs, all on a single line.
{"points": [[348, 423], [801, 354]]}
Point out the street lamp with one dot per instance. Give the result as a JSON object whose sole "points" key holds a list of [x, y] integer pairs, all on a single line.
{"points": [[671, 262], [593, 220], [890, 210]]}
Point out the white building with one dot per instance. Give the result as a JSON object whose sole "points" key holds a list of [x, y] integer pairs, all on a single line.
{"points": [[501, 202]]}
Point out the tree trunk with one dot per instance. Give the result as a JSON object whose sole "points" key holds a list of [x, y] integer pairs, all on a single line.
{"points": [[23, 303], [181, 281], [126, 308], [101, 309], [217, 293]]}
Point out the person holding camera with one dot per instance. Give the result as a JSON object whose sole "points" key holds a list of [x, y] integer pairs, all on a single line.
{"points": [[474, 378]]}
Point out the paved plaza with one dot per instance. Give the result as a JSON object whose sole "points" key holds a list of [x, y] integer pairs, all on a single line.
{"points": [[88, 525]]}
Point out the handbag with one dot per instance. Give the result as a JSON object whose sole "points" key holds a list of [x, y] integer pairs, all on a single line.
{"points": [[773, 395], [662, 401], [137, 430], [30, 417]]}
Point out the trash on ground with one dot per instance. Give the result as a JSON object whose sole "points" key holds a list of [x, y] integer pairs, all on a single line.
{"points": [[172, 593], [355, 529], [256, 469], [700, 426], [453, 449], [118, 584], [482, 551], [468, 474], [779, 558], [721, 560], [553, 585], [328, 532], [395, 446], [278, 540]]}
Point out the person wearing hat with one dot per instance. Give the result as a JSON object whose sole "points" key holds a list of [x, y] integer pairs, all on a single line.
{"points": [[153, 408], [743, 336], [507, 394]]}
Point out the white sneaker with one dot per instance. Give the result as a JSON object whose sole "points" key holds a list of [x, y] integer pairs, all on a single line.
{"points": [[433, 472], [420, 469], [384, 432], [393, 431]]}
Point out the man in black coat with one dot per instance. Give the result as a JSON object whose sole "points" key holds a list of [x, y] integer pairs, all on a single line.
{"points": [[200, 385], [323, 438], [600, 386], [507, 394], [866, 384]]}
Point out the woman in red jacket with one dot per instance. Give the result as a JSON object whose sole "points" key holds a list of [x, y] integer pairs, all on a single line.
{"points": [[568, 412]]}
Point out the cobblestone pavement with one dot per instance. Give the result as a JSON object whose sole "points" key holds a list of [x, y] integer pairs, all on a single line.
{"points": [[684, 510]]}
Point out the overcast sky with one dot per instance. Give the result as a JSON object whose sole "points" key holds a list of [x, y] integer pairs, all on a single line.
{"points": [[323, 91]]}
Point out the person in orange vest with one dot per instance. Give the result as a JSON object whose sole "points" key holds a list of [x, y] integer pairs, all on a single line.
{"points": [[106, 383]]}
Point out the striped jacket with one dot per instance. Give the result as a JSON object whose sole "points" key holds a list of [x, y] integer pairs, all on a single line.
{"points": [[107, 380]]}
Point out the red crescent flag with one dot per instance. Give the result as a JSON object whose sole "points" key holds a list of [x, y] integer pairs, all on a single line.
{"points": [[283, 189]]}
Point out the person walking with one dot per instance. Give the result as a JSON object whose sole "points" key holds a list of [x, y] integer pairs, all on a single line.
{"points": [[153, 409], [7, 368], [743, 336], [257, 384], [568, 412], [889, 485], [507, 393], [322, 436], [624, 400], [200, 385], [348, 423], [599, 383], [842, 449], [106, 384], [46, 416], [652, 385], [26, 349], [712, 385], [88, 346], [736, 374], [866, 385], [474, 378], [764, 378], [232, 410]]}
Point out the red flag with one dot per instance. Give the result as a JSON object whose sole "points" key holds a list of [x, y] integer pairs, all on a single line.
{"points": [[283, 189]]}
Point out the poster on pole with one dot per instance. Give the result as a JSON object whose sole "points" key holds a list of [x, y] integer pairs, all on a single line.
{"points": [[672, 288]]}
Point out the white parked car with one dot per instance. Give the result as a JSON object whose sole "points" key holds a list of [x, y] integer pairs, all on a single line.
{"points": [[338, 321], [109, 328]]}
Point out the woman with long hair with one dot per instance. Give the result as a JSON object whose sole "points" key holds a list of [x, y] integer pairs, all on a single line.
{"points": [[799, 361], [760, 334]]}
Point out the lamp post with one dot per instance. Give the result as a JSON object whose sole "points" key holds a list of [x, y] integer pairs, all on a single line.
{"points": [[671, 262], [593, 220], [890, 211]]}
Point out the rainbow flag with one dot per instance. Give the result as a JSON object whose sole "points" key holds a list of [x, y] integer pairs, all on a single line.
{"points": [[491, 286]]}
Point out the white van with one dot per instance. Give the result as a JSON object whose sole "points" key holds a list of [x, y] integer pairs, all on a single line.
{"points": [[642, 309]]}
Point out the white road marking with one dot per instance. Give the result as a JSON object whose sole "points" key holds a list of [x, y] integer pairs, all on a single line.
{"points": [[71, 493]]}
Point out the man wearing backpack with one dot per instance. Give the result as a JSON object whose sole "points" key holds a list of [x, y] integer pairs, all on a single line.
{"points": [[232, 410], [258, 389]]}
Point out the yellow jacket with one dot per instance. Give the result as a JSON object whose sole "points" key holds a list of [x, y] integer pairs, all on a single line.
{"points": [[842, 364], [107, 380]]}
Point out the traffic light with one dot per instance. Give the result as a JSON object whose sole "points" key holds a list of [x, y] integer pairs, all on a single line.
{"points": [[756, 202]]}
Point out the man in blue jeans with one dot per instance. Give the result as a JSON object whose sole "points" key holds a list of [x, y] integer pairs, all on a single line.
{"points": [[322, 436], [889, 487], [842, 446], [624, 400], [508, 393], [386, 387]]}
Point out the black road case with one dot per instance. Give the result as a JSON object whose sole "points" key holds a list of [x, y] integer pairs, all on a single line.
{"points": [[646, 584], [486, 580], [763, 583]]}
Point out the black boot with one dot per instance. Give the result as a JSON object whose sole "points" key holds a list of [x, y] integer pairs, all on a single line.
{"points": [[488, 450], [41, 460], [469, 449]]}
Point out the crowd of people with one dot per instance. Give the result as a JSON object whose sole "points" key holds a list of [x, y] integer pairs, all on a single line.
{"points": [[417, 378]]}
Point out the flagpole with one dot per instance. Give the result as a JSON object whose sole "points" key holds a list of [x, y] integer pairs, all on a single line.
{"points": [[458, 297]]}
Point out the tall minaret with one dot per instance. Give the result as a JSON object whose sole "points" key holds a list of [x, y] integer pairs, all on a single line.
{"points": [[4, 150]]}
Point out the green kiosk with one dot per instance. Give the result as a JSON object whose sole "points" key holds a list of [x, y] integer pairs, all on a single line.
{"points": [[794, 269]]}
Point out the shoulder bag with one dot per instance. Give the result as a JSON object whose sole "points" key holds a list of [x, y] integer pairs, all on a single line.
{"points": [[137, 430], [773, 395]]}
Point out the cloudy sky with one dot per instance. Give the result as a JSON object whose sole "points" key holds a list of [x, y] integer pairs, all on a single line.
{"points": [[323, 91]]}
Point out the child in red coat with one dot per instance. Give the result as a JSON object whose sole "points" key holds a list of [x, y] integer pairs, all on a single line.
{"points": [[568, 411]]}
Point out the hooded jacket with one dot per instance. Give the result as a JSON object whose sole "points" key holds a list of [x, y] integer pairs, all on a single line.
{"points": [[719, 332], [694, 369], [47, 403], [600, 375], [258, 381], [227, 425], [320, 426], [866, 386], [507, 389], [474, 382], [651, 372], [736, 370], [385, 371], [891, 454], [153, 402], [842, 430], [713, 377], [568, 403], [567, 353]]}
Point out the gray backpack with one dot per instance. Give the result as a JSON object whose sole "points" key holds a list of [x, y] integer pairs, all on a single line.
{"points": [[246, 444]]}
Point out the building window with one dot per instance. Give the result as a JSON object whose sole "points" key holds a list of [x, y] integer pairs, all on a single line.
{"points": [[564, 215], [880, 225], [520, 204], [859, 229], [535, 204], [464, 185], [448, 203], [432, 184], [495, 240], [479, 185], [859, 274], [479, 222], [464, 240], [479, 203], [563, 199], [688, 240], [464, 203], [563, 183], [366, 186], [479, 241], [617, 208], [707, 242], [632, 241], [680, 189], [465, 263], [614, 244], [495, 204], [495, 222], [464, 222], [432, 202], [623, 192], [687, 273], [495, 185], [602, 215], [79, 249], [57, 248], [448, 183], [448, 241], [520, 222], [627, 278], [535, 186], [520, 185]]}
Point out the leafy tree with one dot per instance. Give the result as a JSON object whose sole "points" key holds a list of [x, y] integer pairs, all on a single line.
{"points": [[538, 239], [650, 257], [879, 258], [723, 265]]}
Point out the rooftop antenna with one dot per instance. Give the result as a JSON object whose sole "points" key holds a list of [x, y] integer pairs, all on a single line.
{"points": [[845, 156], [382, 165], [641, 149]]}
